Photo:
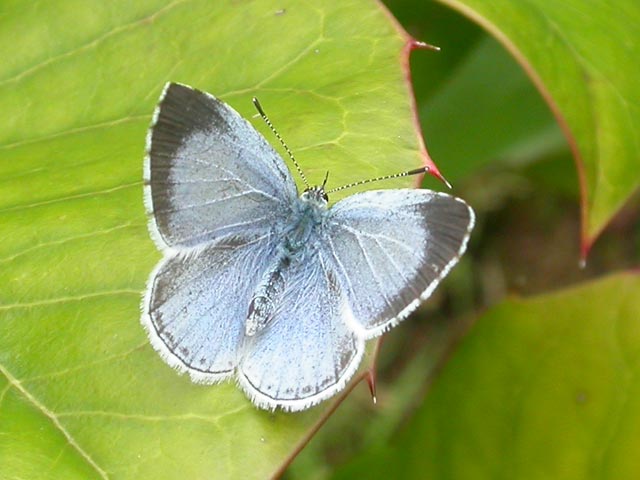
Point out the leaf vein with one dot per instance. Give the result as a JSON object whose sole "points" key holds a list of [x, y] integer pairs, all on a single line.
{"points": [[77, 298], [62, 241], [106, 191], [15, 383], [93, 43]]}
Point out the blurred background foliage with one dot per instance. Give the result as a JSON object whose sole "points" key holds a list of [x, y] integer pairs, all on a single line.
{"points": [[540, 353]]}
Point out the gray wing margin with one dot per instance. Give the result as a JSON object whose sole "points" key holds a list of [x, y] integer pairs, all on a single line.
{"points": [[208, 172], [391, 248], [195, 305]]}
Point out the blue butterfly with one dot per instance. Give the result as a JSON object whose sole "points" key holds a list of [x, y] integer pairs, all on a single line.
{"points": [[274, 288]]}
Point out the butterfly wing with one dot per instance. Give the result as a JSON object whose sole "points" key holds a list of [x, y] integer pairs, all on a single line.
{"points": [[307, 353], [195, 305], [391, 248], [208, 172]]}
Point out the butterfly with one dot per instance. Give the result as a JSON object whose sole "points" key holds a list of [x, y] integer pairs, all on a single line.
{"points": [[274, 288]]}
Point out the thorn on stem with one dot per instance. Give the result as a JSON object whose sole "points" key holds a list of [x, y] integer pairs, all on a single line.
{"points": [[371, 381]]}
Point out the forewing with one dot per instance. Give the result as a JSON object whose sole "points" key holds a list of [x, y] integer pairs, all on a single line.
{"points": [[391, 248], [208, 172], [307, 353], [195, 306]]}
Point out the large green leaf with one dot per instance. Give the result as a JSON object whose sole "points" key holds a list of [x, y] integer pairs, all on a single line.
{"points": [[545, 387], [82, 394], [582, 57]]}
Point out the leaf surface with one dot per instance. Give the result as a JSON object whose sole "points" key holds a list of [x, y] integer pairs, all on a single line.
{"points": [[82, 393], [581, 56], [544, 387]]}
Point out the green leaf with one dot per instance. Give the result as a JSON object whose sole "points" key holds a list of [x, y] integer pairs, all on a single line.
{"points": [[488, 112], [581, 55], [545, 387], [477, 106], [82, 393]]}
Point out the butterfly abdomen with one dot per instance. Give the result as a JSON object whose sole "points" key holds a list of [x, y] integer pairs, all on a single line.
{"points": [[265, 300], [297, 245]]}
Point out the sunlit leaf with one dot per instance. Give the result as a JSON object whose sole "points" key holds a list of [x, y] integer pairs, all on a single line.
{"points": [[82, 394]]}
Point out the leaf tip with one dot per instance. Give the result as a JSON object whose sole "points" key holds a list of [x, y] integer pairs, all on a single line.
{"points": [[417, 44], [585, 247], [436, 173]]}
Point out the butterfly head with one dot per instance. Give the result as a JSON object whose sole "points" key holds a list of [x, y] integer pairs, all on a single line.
{"points": [[315, 196]]}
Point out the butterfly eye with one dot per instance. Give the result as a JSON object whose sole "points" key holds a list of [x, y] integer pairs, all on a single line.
{"points": [[325, 197]]}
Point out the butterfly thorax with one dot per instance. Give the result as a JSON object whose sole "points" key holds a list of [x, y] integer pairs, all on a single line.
{"points": [[296, 242], [307, 217]]}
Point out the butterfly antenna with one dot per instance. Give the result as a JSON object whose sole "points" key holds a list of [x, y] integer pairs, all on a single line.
{"points": [[275, 132], [416, 171]]}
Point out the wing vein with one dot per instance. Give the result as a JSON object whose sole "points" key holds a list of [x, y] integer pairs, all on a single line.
{"points": [[341, 265], [370, 265], [407, 281], [207, 233], [214, 201], [357, 232]]}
